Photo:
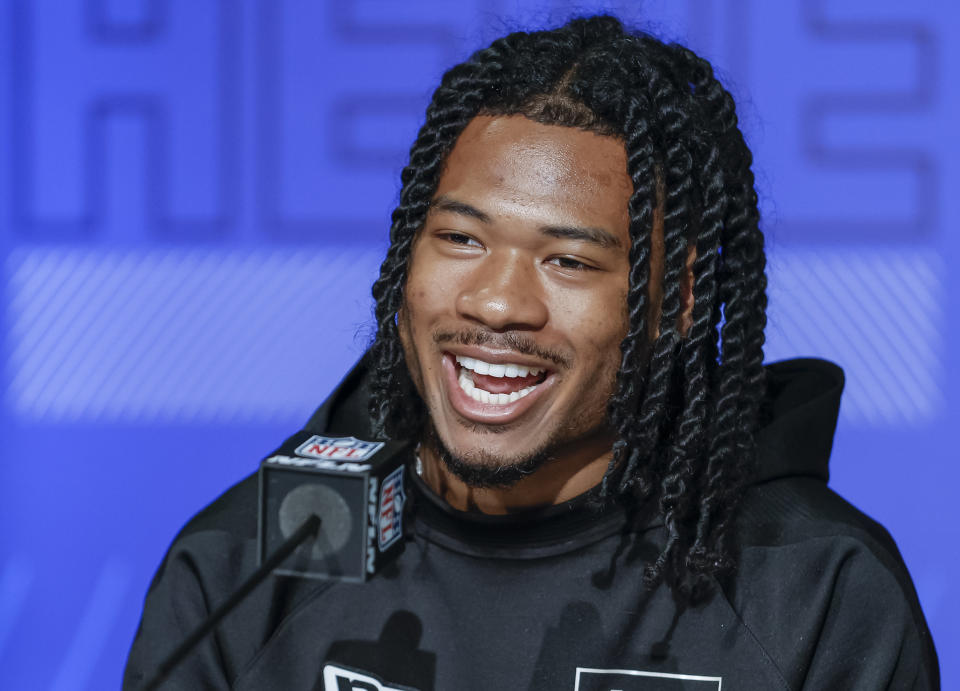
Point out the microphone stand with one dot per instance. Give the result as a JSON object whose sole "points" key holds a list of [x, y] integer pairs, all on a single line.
{"points": [[308, 528]]}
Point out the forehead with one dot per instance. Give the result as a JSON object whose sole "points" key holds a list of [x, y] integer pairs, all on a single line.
{"points": [[518, 164]]}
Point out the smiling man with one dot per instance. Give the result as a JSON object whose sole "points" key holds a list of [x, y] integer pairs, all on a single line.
{"points": [[514, 313], [608, 488]]}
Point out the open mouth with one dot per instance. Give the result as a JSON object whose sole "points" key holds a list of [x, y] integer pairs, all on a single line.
{"points": [[497, 383]]}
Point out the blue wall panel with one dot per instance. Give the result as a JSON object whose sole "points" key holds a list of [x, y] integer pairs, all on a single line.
{"points": [[195, 196]]}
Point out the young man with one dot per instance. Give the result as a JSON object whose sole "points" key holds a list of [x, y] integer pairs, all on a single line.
{"points": [[610, 491]]}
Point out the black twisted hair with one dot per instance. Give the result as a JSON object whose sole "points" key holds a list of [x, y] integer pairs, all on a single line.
{"points": [[686, 405]]}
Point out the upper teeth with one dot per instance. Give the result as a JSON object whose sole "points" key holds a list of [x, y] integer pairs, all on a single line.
{"points": [[493, 370]]}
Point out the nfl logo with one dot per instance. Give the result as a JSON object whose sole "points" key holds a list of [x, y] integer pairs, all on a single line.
{"points": [[391, 509], [338, 448]]}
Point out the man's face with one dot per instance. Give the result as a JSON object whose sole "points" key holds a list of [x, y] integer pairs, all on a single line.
{"points": [[515, 303]]}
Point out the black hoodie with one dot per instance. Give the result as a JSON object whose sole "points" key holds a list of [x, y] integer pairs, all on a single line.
{"points": [[553, 599]]}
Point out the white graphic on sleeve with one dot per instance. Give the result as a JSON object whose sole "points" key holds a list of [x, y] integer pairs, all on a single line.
{"points": [[336, 678], [636, 680]]}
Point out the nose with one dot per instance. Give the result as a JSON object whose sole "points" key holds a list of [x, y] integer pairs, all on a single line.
{"points": [[503, 293]]}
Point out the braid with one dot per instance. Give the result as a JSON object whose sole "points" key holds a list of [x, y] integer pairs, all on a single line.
{"points": [[693, 216], [685, 405], [742, 285], [634, 443]]}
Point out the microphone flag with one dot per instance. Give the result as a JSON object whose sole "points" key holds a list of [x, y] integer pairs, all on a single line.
{"points": [[356, 488]]}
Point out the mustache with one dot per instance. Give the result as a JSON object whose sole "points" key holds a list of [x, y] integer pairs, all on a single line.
{"points": [[510, 340]]}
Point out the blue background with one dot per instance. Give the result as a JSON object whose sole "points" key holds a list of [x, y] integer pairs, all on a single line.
{"points": [[194, 199]]}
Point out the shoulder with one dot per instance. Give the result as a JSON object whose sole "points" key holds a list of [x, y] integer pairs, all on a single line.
{"points": [[798, 510], [220, 535], [200, 569], [798, 532], [815, 574], [234, 512], [207, 556], [205, 565]]}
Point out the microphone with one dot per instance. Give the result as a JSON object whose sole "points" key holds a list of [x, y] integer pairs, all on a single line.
{"points": [[329, 507], [355, 487]]}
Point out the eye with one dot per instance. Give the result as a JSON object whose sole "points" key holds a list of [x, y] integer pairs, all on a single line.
{"points": [[571, 264], [459, 239]]}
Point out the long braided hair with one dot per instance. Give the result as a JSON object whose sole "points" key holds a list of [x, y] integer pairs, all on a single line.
{"points": [[685, 407]]}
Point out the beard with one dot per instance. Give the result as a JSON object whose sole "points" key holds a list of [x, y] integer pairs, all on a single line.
{"points": [[484, 470]]}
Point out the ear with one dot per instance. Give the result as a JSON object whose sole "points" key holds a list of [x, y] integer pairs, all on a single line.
{"points": [[686, 292]]}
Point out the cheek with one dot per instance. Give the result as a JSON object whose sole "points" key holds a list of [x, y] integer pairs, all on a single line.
{"points": [[424, 294], [417, 294], [599, 324], [414, 324]]}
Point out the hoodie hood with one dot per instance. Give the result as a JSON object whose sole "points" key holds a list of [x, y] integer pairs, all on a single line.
{"points": [[799, 416]]}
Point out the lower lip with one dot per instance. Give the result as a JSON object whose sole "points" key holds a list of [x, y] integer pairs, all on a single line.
{"points": [[488, 413]]}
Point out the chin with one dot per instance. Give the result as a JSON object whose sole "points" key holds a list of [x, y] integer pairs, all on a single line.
{"points": [[481, 468]]}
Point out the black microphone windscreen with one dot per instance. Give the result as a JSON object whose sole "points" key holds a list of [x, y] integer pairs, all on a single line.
{"points": [[356, 489]]}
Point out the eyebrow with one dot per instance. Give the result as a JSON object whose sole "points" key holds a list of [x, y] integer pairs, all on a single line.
{"points": [[445, 203], [595, 236]]}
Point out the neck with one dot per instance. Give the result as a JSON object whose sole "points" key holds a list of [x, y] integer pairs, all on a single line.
{"points": [[576, 470]]}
